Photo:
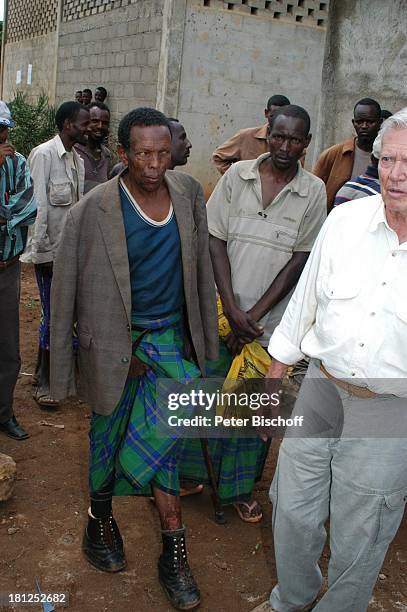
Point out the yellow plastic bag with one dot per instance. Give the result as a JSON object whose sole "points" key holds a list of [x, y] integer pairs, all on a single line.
{"points": [[252, 362]]}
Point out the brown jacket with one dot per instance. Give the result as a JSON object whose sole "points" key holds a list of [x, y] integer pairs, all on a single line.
{"points": [[91, 285], [334, 167], [246, 144]]}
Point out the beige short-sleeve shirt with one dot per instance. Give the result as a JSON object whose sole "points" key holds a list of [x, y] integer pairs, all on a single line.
{"points": [[260, 242]]}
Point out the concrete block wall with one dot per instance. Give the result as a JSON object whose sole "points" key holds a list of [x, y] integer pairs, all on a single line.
{"points": [[365, 56], [118, 49], [232, 63], [40, 52]]}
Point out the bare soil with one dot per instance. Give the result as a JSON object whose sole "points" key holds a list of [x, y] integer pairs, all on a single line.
{"points": [[41, 526]]}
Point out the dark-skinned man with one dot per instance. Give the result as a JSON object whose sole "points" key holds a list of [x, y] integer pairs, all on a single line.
{"points": [[351, 158], [263, 218], [17, 212], [133, 271], [58, 175], [248, 143], [180, 147], [96, 156]]}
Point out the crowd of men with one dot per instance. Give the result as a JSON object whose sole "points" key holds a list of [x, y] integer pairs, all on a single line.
{"points": [[129, 261]]}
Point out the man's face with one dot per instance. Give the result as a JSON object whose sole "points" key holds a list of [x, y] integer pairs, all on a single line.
{"points": [[287, 140], [149, 156], [366, 122], [180, 145], [3, 134], [86, 97], [78, 96], [77, 129], [99, 96], [393, 170], [99, 124]]}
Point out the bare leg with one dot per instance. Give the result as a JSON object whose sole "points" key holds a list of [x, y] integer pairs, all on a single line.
{"points": [[169, 509]]}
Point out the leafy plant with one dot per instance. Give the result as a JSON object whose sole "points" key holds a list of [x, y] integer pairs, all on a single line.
{"points": [[34, 122]]}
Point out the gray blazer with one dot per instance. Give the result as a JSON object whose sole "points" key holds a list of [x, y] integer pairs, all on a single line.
{"points": [[91, 285]]}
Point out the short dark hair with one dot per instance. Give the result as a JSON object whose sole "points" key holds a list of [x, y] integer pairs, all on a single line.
{"points": [[142, 116], [100, 105], [68, 110], [369, 102], [277, 100], [102, 89], [292, 110], [172, 120], [78, 91], [385, 114], [87, 91]]}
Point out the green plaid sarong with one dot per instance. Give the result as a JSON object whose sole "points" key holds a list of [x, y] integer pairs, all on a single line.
{"points": [[125, 446], [238, 462]]}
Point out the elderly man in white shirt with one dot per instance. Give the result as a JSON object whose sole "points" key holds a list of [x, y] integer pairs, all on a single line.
{"points": [[349, 462]]}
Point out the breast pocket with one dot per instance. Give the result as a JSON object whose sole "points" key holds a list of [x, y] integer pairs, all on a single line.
{"points": [[337, 306], [60, 192]]}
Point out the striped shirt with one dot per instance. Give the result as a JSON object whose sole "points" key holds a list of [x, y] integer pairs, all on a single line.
{"points": [[17, 205], [359, 187]]}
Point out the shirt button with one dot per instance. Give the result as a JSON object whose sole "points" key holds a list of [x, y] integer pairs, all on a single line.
{"points": [[361, 344], [353, 373], [128, 327], [393, 254], [372, 314], [125, 360], [384, 283]]}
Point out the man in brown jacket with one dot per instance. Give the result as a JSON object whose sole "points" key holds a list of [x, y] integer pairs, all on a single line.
{"points": [[134, 272], [248, 143], [336, 165]]}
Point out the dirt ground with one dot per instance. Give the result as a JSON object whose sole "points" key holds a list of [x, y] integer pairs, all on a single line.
{"points": [[41, 526]]}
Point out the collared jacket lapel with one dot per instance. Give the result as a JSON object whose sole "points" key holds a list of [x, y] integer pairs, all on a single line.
{"points": [[114, 236]]}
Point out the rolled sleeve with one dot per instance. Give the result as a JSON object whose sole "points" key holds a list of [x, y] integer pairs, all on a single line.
{"points": [[218, 207], [282, 349]]}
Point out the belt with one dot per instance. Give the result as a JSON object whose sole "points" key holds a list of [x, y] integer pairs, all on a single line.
{"points": [[9, 262], [362, 392]]}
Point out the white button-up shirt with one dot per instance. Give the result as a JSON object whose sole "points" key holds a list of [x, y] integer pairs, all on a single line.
{"points": [[350, 306]]}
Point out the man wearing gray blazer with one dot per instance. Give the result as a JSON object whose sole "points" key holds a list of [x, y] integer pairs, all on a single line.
{"points": [[133, 272]]}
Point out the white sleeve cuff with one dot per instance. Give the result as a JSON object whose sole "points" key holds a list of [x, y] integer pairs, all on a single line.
{"points": [[281, 349]]}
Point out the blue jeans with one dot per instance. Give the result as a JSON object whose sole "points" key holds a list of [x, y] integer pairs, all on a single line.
{"points": [[359, 483]]}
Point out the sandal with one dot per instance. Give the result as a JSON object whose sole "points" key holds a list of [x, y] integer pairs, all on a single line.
{"points": [[44, 400], [250, 512]]}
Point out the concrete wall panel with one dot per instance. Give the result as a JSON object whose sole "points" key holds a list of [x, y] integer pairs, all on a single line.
{"points": [[231, 64]]}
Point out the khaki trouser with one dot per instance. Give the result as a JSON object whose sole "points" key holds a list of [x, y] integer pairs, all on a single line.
{"points": [[350, 464]]}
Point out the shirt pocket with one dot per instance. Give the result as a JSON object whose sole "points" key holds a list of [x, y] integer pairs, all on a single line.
{"points": [[60, 192], [337, 309]]}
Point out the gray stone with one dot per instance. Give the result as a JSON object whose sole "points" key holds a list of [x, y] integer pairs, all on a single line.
{"points": [[8, 474]]}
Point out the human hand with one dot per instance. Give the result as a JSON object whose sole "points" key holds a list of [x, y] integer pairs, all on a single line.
{"points": [[272, 388], [6, 149], [137, 367], [234, 344], [243, 325]]}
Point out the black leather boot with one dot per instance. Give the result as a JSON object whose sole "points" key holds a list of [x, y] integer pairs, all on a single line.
{"points": [[174, 572], [103, 545]]}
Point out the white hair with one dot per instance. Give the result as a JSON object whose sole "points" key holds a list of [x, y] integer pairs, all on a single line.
{"points": [[398, 121]]}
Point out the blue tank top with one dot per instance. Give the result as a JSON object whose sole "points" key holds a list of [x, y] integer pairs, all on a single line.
{"points": [[154, 252]]}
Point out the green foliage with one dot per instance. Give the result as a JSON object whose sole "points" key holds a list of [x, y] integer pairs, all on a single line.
{"points": [[34, 122]]}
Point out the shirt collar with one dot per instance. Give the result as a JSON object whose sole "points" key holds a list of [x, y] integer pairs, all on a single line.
{"points": [[60, 146], [261, 132], [299, 184], [379, 216], [349, 146]]}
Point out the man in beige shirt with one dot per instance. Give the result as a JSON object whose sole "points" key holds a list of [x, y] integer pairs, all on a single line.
{"points": [[58, 174], [263, 218], [248, 143]]}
